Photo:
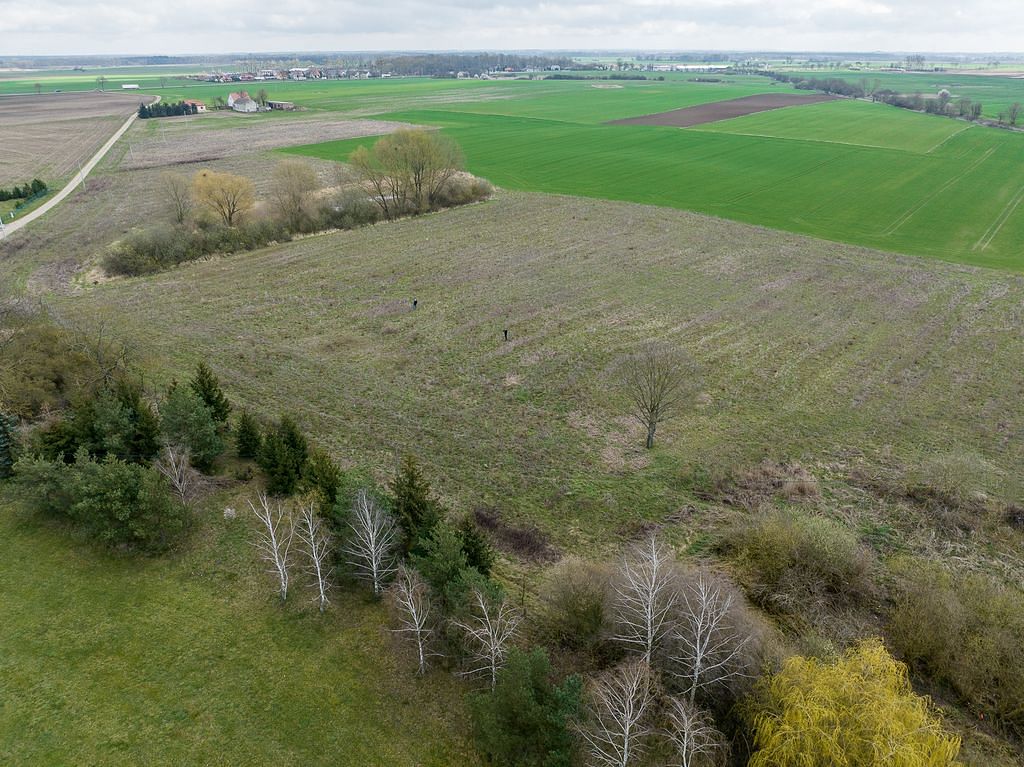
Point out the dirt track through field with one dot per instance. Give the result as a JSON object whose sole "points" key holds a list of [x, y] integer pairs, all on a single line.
{"points": [[725, 110]]}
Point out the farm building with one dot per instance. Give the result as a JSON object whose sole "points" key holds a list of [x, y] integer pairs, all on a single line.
{"points": [[129, 86], [284, 106], [197, 106], [245, 104], [233, 97]]}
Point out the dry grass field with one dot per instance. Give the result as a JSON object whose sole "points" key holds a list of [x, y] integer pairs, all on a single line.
{"points": [[204, 138], [47, 136]]}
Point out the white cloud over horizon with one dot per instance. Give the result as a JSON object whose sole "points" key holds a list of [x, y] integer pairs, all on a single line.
{"points": [[80, 27]]}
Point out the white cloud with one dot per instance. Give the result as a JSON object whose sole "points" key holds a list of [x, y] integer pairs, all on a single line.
{"points": [[201, 26]]}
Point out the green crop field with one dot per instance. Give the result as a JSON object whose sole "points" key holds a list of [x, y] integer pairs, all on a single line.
{"points": [[845, 170]]}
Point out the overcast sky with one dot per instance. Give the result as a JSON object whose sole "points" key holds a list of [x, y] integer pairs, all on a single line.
{"points": [[218, 26]]}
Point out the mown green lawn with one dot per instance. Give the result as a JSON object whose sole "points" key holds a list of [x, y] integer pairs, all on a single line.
{"points": [[188, 659]]}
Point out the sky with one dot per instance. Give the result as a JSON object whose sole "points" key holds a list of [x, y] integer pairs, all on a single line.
{"points": [[64, 27]]}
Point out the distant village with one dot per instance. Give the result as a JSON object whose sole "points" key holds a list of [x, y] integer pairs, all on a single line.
{"points": [[339, 73]]}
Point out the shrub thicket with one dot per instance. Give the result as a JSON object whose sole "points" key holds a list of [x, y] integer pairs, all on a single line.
{"points": [[792, 562], [117, 503], [8, 444], [967, 633], [574, 611]]}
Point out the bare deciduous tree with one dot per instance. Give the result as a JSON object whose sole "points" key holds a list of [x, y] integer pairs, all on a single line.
{"points": [[274, 540], [1013, 112], [177, 190], [371, 547], [618, 704], [317, 546], [709, 649], [411, 598], [227, 196], [655, 378], [174, 464], [406, 171], [490, 629], [696, 741], [293, 182], [645, 597]]}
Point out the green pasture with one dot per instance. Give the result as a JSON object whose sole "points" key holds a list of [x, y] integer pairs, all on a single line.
{"points": [[189, 659]]}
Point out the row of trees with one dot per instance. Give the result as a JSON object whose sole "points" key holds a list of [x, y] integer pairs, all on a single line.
{"points": [[166, 109], [23, 192], [407, 173]]}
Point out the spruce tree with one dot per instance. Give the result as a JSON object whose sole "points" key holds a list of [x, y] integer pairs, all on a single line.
{"points": [[8, 444], [283, 457], [479, 552], [206, 385], [417, 513], [248, 439]]}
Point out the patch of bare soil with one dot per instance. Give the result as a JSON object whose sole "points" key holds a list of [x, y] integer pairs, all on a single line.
{"points": [[205, 138], [725, 110], [49, 135]]}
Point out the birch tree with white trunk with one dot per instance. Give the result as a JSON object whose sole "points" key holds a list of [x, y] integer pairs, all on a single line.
{"points": [[695, 739], [709, 648], [619, 704], [316, 544], [274, 540], [489, 630], [174, 465], [411, 598], [645, 597], [371, 545]]}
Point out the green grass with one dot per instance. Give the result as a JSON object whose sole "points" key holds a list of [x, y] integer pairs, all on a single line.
{"points": [[189, 659]]}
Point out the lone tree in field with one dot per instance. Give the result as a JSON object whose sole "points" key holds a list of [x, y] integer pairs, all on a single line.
{"points": [[645, 598], [177, 191], [406, 171], [619, 704], [656, 379], [410, 597], [293, 182], [1013, 112], [225, 195], [274, 540]]}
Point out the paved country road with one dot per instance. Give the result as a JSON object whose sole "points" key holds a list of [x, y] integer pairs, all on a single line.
{"points": [[77, 179]]}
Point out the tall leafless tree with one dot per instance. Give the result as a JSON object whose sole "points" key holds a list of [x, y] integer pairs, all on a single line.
{"points": [[411, 599], [177, 191], [644, 598], [655, 381], [619, 705], [174, 464], [695, 740], [274, 540], [709, 647], [490, 629], [371, 545], [316, 544]]}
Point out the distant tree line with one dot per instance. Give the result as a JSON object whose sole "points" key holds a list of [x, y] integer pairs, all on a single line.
{"points": [[162, 109], [613, 76], [941, 104], [443, 64], [23, 192]]}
